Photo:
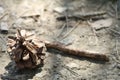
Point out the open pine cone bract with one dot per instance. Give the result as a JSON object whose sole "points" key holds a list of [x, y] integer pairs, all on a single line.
{"points": [[26, 50]]}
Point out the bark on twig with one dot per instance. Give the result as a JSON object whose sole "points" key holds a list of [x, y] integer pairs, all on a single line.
{"points": [[61, 47]]}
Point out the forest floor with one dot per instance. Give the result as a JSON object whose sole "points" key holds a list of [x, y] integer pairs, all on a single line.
{"points": [[101, 36]]}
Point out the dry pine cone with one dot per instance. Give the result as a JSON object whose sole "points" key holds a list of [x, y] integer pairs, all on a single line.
{"points": [[25, 50]]}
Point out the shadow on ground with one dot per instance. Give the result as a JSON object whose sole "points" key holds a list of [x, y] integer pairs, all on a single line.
{"points": [[14, 74]]}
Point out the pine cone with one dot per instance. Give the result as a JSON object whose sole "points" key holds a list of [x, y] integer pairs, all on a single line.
{"points": [[25, 50]]}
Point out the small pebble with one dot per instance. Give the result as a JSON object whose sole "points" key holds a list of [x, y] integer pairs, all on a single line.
{"points": [[118, 66], [1, 10], [60, 9], [4, 28], [72, 65]]}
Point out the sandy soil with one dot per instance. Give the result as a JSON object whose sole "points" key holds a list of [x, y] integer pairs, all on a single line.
{"points": [[100, 36]]}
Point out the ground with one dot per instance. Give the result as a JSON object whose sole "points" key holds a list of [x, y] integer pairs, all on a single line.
{"points": [[101, 36]]}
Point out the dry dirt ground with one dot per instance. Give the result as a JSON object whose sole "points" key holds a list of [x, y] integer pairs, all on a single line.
{"points": [[100, 36]]}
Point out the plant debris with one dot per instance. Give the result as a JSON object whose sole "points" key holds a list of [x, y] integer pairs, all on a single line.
{"points": [[25, 52], [84, 16], [61, 47], [34, 17]]}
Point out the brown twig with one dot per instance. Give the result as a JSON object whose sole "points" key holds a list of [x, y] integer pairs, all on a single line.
{"points": [[61, 47], [84, 16]]}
